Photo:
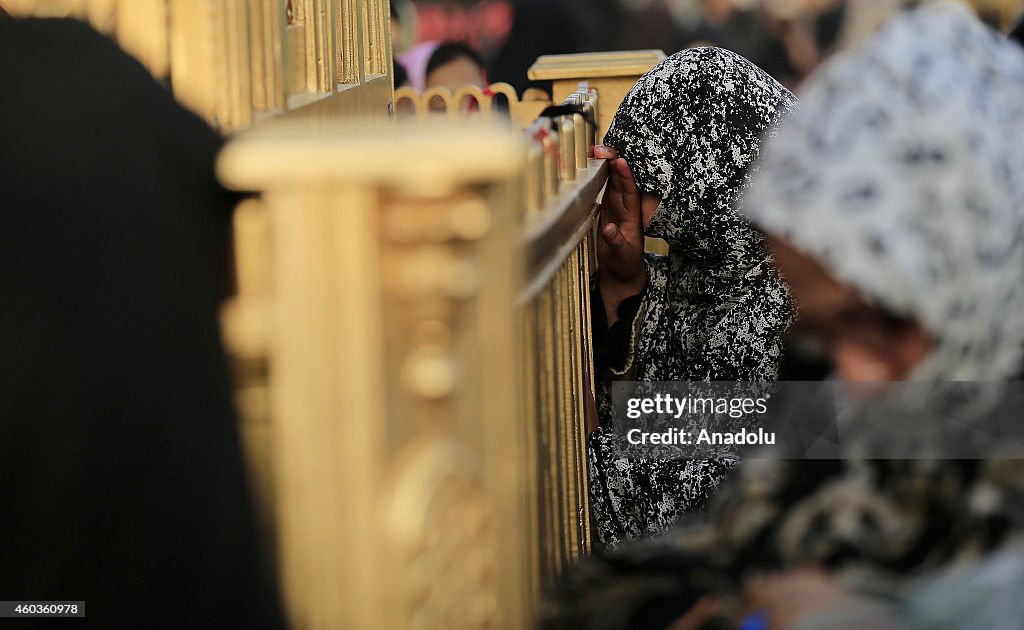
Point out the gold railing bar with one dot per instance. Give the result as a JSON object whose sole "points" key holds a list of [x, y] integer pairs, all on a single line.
{"points": [[562, 419], [583, 148], [584, 386], [566, 150], [534, 509], [534, 177], [590, 109], [561, 228], [551, 479], [284, 149], [570, 365], [597, 65]]}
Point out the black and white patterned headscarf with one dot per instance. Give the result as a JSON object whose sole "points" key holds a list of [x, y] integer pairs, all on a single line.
{"points": [[714, 309], [690, 130], [904, 176]]}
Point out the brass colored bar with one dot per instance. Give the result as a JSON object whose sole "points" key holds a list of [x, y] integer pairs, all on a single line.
{"points": [[236, 88], [587, 269], [549, 139], [373, 44], [321, 74], [350, 61], [549, 421], [534, 181], [590, 109], [267, 51], [529, 374], [551, 240], [295, 60], [584, 388], [566, 151], [564, 370], [582, 132], [574, 394], [583, 149]]}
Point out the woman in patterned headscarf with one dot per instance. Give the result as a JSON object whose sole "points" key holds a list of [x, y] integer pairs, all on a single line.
{"points": [[712, 309], [916, 223], [896, 208]]}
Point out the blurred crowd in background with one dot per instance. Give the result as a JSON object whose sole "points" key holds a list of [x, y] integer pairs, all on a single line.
{"points": [[787, 38]]}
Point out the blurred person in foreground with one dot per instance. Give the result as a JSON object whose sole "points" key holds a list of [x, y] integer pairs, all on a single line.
{"points": [[894, 206], [121, 471]]}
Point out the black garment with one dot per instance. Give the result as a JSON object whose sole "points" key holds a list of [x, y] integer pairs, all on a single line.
{"points": [[612, 344], [121, 472]]}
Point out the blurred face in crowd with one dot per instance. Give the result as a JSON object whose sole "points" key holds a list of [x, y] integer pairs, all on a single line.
{"points": [[455, 74], [861, 341], [717, 11]]}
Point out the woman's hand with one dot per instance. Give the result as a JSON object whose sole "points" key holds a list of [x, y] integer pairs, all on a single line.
{"points": [[620, 244]]}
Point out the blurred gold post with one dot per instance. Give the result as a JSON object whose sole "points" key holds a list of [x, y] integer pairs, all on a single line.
{"points": [[399, 459]]}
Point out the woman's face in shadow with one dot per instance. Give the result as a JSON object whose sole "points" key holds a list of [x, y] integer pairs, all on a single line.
{"points": [[861, 341]]}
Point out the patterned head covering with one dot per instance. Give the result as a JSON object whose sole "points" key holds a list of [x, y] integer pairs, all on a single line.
{"points": [[902, 176], [690, 129]]}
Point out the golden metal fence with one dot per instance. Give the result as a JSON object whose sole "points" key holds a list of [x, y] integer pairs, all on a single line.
{"points": [[236, 61], [410, 330], [423, 319], [469, 252]]}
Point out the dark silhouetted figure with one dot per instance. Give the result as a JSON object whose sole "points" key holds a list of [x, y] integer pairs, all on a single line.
{"points": [[121, 475]]}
